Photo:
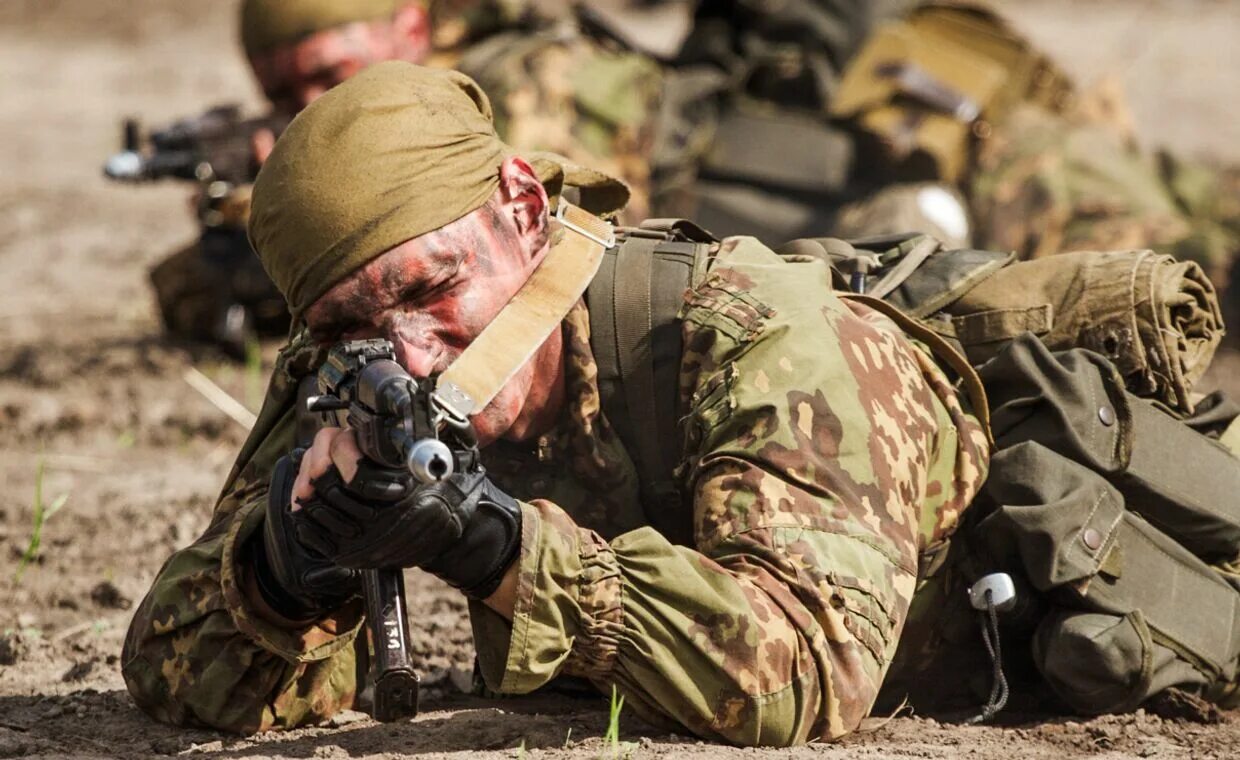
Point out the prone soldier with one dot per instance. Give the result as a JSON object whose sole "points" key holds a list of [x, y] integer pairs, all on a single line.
{"points": [[750, 501], [556, 88]]}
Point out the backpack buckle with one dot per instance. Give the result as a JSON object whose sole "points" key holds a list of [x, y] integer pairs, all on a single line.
{"points": [[585, 224]]}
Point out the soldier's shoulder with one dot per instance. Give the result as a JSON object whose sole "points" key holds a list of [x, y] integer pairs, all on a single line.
{"points": [[753, 298], [768, 275], [561, 58]]}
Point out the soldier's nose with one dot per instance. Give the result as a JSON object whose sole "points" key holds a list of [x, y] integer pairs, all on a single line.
{"points": [[418, 360]]}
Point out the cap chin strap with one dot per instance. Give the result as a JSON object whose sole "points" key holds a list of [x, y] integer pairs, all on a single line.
{"points": [[503, 347]]}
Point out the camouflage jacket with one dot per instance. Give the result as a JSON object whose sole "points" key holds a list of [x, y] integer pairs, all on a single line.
{"points": [[823, 453]]}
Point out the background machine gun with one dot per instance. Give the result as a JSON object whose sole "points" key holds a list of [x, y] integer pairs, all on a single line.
{"points": [[214, 289], [400, 424], [214, 146]]}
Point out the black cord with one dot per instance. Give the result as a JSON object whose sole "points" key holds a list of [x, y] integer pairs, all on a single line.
{"points": [[999, 685]]}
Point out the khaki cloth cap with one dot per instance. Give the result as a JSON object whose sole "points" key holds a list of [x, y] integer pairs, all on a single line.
{"points": [[393, 153], [267, 24]]}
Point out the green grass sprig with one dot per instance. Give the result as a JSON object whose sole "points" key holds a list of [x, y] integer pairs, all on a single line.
{"points": [[41, 513], [611, 739], [253, 375]]}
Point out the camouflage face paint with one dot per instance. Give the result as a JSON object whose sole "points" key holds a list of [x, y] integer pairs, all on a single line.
{"points": [[431, 297]]}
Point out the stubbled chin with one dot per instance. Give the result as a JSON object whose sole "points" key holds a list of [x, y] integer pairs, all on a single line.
{"points": [[507, 416], [498, 420]]}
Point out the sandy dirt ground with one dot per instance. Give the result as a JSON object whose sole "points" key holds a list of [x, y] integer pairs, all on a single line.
{"points": [[91, 393]]}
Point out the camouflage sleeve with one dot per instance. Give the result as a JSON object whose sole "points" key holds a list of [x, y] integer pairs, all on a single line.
{"points": [[824, 452], [200, 652]]}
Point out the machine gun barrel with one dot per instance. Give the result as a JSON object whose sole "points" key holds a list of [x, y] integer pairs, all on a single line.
{"points": [[132, 166], [214, 146]]}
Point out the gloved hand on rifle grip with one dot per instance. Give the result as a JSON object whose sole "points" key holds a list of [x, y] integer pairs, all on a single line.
{"points": [[463, 529], [296, 581]]}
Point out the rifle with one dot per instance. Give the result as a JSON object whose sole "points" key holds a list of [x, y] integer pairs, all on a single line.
{"points": [[219, 291], [214, 146], [399, 423]]}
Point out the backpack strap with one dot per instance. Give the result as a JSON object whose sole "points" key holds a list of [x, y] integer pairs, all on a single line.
{"points": [[635, 334]]}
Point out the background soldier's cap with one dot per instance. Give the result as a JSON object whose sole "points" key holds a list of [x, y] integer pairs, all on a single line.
{"points": [[393, 153], [266, 24]]}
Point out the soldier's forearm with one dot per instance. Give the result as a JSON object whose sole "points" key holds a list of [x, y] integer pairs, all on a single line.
{"points": [[200, 652], [504, 600], [668, 625]]}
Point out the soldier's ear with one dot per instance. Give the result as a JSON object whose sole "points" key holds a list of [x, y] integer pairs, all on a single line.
{"points": [[411, 31], [526, 200]]}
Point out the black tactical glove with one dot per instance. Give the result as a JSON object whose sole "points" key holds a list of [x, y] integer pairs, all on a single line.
{"points": [[295, 581], [463, 529]]}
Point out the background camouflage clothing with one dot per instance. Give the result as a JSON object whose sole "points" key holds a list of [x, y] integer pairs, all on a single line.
{"points": [[1046, 183], [562, 91], [823, 454], [1051, 172]]}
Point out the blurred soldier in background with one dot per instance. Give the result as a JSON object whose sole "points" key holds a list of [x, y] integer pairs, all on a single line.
{"points": [[554, 88], [848, 118], [864, 118]]}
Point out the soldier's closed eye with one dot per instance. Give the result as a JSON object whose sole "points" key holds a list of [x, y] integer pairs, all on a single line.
{"points": [[426, 289]]}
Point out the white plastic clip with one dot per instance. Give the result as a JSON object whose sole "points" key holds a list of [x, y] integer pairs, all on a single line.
{"points": [[1002, 592]]}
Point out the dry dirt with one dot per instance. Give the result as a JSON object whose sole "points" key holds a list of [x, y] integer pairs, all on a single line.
{"points": [[89, 389]]}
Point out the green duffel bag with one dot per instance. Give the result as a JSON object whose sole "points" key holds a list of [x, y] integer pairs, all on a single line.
{"points": [[1122, 520]]}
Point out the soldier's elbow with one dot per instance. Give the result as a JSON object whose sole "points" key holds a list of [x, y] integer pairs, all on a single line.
{"points": [[150, 691], [803, 711], [153, 696]]}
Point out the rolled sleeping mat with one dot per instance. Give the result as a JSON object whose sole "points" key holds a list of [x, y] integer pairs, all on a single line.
{"points": [[1156, 319]]}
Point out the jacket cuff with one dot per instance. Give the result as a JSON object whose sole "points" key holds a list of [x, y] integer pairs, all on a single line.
{"points": [[568, 613], [293, 641]]}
